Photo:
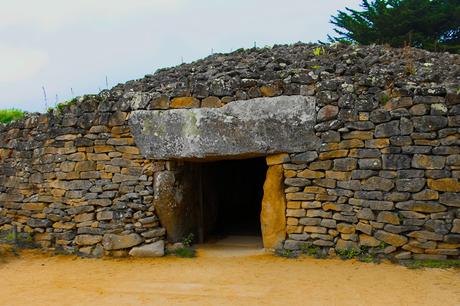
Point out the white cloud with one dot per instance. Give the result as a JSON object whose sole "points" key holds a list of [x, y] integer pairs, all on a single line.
{"points": [[19, 63], [53, 14], [63, 44]]}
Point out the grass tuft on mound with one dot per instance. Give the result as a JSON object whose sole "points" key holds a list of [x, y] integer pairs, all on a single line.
{"points": [[438, 264], [8, 115]]}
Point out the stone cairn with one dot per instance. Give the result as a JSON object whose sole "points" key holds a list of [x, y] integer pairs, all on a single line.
{"points": [[386, 174]]}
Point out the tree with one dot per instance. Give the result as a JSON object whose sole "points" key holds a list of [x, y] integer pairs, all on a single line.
{"points": [[428, 24]]}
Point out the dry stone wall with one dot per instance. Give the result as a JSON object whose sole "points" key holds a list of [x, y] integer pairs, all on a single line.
{"points": [[386, 175], [387, 178], [76, 181]]}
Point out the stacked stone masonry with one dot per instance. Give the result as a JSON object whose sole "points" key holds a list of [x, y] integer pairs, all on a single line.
{"points": [[385, 176]]}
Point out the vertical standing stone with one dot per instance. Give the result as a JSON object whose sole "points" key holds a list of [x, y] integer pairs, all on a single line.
{"points": [[273, 219]]}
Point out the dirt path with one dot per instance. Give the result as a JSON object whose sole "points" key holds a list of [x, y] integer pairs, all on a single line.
{"points": [[210, 279]]}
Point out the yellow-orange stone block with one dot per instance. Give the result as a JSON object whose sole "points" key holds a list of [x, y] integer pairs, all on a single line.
{"points": [[445, 184], [333, 154], [185, 102], [378, 143], [273, 215], [268, 91], [277, 159], [211, 102]]}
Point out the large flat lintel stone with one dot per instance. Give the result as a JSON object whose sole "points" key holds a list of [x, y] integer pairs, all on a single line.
{"points": [[242, 128]]}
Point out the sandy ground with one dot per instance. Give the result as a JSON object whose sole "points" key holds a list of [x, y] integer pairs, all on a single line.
{"points": [[220, 278]]}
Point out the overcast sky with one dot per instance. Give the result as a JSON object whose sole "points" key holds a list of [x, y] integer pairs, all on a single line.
{"points": [[72, 45]]}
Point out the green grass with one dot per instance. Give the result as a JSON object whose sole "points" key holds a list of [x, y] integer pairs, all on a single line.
{"points": [[439, 264], [60, 106], [286, 253], [185, 252], [21, 240], [8, 115], [348, 253], [318, 51], [309, 249], [385, 99]]}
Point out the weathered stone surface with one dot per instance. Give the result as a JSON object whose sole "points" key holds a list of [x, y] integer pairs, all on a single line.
{"points": [[421, 206], [185, 102], [381, 205], [309, 174], [310, 221], [370, 164], [380, 115], [253, 127], [365, 228], [72, 185], [295, 212], [105, 215], [428, 162], [300, 196], [393, 239], [445, 184], [329, 223], [456, 226], [297, 181], [366, 214], [346, 228], [117, 242], [315, 229], [272, 217], [211, 102], [369, 241], [174, 211], [345, 164], [425, 235], [429, 123], [388, 217], [426, 194], [327, 113], [305, 157], [450, 199], [117, 118], [346, 245], [396, 161], [403, 255], [410, 185], [39, 222], [387, 129], [437, 226], [156, 249], [378, 183], [87, 239], [362, 174], [292, 245], [452, 239], [277, 159], [453, 160]]}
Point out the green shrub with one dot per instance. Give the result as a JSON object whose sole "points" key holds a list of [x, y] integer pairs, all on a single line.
{"points": [[348, 253], [309, 249], [286, 253], [187, 241], [8, 115], [21, 240], [185, 252]]}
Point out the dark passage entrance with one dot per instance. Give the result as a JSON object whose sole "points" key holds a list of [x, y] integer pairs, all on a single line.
{"points": [[231, 197]]}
